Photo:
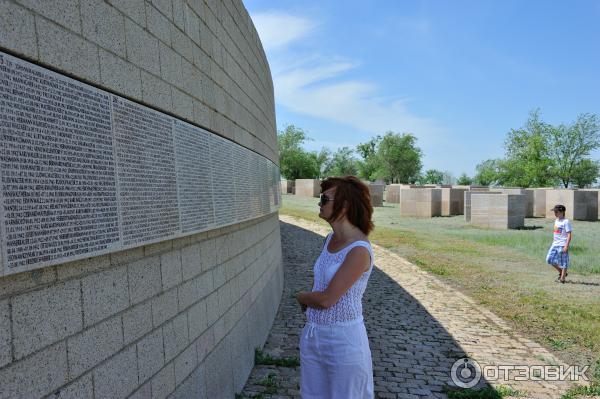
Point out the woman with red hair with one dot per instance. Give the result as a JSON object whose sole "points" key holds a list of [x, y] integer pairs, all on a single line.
{"points": [[335, 358]]}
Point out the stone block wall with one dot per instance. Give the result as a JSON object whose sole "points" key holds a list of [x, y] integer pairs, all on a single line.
{"points": [[598, 194], [467, 201], [307, 187], [580, 204], [287, 186], [180, 317], [539, 202], [528, 198], [421, 202], [498, 211]]}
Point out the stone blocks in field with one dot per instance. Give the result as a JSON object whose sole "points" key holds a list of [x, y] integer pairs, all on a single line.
{"points": [[421, 202], [539, 202], [580, 204], [376, 192], [287, 186], [498, 211], [528, 198], [308, 187], [393, 192], [453, 201], [467, 201]]}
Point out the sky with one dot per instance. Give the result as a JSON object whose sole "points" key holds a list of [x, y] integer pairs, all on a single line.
{"points": [[456, 74]]}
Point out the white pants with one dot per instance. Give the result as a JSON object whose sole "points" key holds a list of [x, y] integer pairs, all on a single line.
{"points": [[335, 361]]}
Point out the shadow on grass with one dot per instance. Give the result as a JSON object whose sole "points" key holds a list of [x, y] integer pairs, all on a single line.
{"points": [[530, 228], [582, 283]]}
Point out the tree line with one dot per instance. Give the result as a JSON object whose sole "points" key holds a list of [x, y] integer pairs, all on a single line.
{"points": [[536, 155]]}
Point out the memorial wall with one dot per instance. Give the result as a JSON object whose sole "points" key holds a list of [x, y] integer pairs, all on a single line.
{"points": [[140, 249]]}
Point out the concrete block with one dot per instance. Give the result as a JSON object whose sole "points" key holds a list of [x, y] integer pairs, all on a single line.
{"points": [[63, 12], [156, 92], [212, 308], [185, 363], [103, 25], [598, 195], [183, 105], [104, 294], [287, 186], [179, 13], [581, 205], [308, 187], [176, 337], [5, 350], [163, 383], [164, 307], [41, 318], [80, 388], [144, 279], [145, 392], [467, 201], [151, 357], [187, 294], [17, 29], [193, 387], [498, 211], [205, 344], [165, 7], [529, 205], [137, 322], [66, 51], [539, 202], [205, 284], [219, 376], [94, 345], [453, 201], [37, 375], [142, 47], [170, 65], [420, 202], [182, 44], [197, 320], [118, 377], [158, 24], [120, 75], [376, 192], [82, 267], [134, 9], [170, 266]]}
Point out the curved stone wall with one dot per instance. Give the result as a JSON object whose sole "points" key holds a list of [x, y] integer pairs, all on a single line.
{"points": [[179, 314]]}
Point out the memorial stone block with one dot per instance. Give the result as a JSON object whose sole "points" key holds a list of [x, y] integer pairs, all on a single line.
{"points": [[467, 201], [528, 198], [453, 201], [376, 192], [308, 187], [498, 211], [421, 202], [580, 204]]}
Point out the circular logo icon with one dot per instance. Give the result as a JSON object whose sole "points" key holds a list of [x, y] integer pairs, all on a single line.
{"points": [[465, 373]]}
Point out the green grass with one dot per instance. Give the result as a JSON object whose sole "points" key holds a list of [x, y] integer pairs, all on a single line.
{"points": [[582, 391], [484, 393], [270, 383], [265, 359], [503, 270]]}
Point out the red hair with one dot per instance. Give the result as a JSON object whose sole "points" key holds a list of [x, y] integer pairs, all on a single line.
{"points": [[353, 197]]}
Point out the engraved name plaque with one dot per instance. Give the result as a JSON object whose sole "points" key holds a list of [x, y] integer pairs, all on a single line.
{"points": [[85, 172]]}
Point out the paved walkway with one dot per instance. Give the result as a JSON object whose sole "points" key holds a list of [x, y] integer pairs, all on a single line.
{"points": [[417, 325]]}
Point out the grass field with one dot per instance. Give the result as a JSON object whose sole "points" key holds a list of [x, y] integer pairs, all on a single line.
{"points": [[503, 270]]}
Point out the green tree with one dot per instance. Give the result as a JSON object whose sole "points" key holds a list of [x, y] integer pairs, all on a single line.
{"points": [[585, 173], [570, 145], [433, 176], [369, 166], [487, 173], [342, 163], [464, 180], [399, 158], [294, 161], [528, 160]]}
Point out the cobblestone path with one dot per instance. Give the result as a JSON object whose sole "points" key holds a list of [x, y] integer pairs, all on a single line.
{"points": [[417, 325]]}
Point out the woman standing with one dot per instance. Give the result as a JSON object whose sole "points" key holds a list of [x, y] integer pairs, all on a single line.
{"points": [[335, 358]]}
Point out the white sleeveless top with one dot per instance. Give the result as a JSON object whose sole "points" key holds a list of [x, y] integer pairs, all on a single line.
{"points": [[349, 306]]}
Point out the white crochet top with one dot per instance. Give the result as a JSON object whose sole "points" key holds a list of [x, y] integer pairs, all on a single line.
{"points": [[349, 306]]}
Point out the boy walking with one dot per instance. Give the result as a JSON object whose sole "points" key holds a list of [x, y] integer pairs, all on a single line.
{"points": [[558, 255]]}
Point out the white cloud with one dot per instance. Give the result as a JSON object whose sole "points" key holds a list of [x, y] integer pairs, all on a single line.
{"points": [[278, 29], [314, 85]]}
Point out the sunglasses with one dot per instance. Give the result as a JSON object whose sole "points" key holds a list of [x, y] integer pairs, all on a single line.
{"points": [[323, 199]]}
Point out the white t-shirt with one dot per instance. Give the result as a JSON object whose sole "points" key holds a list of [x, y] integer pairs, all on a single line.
{"points": [[561, 228]]}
